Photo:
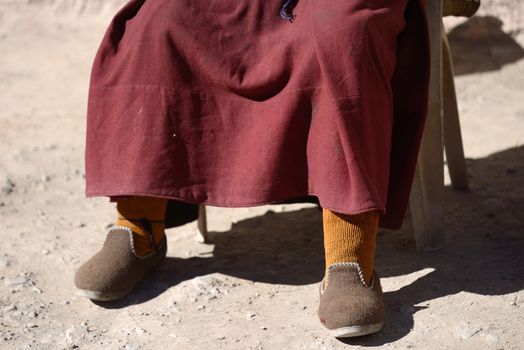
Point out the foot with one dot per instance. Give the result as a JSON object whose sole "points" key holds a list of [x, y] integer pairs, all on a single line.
{"points": [[348, 307], [116, 269]]}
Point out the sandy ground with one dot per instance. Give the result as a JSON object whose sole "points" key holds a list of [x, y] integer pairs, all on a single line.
{"points": [[256, 285]]}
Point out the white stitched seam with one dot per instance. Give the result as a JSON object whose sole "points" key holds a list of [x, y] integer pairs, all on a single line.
{"points": [[131, 241], [353, 264]]}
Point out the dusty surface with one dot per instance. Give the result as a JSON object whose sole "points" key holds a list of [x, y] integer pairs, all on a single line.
{"points": [[255, 286]]}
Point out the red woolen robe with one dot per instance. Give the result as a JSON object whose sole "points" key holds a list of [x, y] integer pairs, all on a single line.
{"points": [[225, 103]]}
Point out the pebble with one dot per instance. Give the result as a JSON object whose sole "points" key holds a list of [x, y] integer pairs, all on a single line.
{"points": [[250, 315], [15, 280], [465, 331], [4, 263], [44, 178], [491, 338], [7, 186], [74, 335], [140, 331], [11, 307]]}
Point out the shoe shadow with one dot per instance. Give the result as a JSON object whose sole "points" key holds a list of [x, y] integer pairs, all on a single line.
{"points": [[483, 253], [481, 45], [276, 248]]}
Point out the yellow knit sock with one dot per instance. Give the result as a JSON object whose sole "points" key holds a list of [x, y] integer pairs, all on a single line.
{"points": [[351, 238], [131, 210]]}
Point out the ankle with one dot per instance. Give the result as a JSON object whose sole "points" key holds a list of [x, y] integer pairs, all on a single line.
{"points": [[145, 217], [351, 238]]}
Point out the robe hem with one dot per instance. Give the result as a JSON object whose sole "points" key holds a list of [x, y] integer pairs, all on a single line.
{"points": [[246, 204]]}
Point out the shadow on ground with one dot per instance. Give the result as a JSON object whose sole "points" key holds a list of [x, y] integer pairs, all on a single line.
{"points": [[483, 255], [480, 45]]}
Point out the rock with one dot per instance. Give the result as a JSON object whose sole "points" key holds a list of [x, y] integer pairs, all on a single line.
{"points": [[209, 286], [250, 315], [15, 280], [44, 178], [466, 331], [75, 335], [7, 186], [491, 338], [140, 331], [11, 307], [4, 263]]}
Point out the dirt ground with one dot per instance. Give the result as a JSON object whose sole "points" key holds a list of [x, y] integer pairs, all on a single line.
{"points": [[256, 285]]}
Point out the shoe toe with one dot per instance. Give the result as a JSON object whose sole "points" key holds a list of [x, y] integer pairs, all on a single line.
{"points": [[347, 306]]}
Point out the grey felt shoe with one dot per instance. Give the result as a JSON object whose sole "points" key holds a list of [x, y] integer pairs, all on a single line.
{"points": [[348, 307], [115, 270]]}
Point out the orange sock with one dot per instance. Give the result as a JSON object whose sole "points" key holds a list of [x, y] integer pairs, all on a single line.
{"points": [[139, 212], [351, 238]]}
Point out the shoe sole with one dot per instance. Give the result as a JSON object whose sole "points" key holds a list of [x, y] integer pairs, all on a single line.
{"points": [[101, 296], [356, 331]]}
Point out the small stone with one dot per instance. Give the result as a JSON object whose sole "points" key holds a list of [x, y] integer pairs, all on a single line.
{"points": [[7, 186], [45, 178], [251, 315], [31, 325], [4, 263], [140, 331], [74, 335], [10, 323], [15, 280], [11, 307], [201, 307], [491, 338], [36, 290], [464, 331]]}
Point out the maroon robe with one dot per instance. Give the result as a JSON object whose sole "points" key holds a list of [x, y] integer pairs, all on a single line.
{"points": [[225, 103]]}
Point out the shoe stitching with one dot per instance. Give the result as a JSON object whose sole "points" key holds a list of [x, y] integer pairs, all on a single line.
{"points": [[132, 242], [352, 264]]}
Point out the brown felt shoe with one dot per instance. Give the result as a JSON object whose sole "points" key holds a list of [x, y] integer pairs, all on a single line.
{"points": [[115, 270], [348, 307]]}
